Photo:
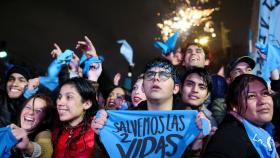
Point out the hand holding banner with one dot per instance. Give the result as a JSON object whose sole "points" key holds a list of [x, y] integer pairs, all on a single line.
{"points": [[149, 133]]}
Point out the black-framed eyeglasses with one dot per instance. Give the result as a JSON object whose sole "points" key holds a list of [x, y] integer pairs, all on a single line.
{"points": [[163, 75]]}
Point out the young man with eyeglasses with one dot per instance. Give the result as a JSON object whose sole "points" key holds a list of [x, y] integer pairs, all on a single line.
{"points": [[160, 84]]}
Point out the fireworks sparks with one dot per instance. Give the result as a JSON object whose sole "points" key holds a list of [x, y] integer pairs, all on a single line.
{"points": [[186, 18]]}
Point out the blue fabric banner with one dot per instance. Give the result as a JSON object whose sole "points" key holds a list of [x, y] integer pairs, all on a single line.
{"points": [[149, 133], [7, 142], [268, 40]]}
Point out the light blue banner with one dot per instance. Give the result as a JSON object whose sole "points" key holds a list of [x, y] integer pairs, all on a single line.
{"points": [[268, 39], [127, 51], [7, 142], [168, 46], [149, 133]]}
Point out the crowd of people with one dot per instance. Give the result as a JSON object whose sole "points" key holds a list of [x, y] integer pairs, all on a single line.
{"points": [[56, 115]]}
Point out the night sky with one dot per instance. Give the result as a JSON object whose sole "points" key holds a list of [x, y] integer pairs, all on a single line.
{"points": [[30, 28]]}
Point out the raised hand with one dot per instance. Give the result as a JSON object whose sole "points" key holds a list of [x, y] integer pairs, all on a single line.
{"points": [[117, 79], [198, 143], [56, 51], [169, 57], [33, 83], [94, 71], [21, 135], [98, 121], [74, 64], [87, 47]]}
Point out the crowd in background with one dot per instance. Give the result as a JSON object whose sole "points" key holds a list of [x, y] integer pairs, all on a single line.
{"points": [[55, 115]]}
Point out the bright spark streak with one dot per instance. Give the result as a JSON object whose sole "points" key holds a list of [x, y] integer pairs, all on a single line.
{"points": [[186, 18]]}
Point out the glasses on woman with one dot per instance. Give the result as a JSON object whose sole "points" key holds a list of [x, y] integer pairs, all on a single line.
{"points": [[162, 75]]}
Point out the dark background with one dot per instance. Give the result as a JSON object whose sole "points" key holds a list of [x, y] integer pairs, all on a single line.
{"points": [[30, 27]]}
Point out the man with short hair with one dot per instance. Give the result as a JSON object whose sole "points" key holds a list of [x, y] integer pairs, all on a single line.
{"points": [[195, 55]]}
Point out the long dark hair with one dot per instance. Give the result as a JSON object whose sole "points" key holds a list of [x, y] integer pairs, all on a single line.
{"points": [[237, 91], [87, 93], [49, 112]]}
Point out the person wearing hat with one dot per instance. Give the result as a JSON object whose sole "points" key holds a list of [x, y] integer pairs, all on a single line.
{"points": [[11, 98], [239, 66]]}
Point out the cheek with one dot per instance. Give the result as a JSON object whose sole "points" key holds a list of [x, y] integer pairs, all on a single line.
{"points": [[9, 84], [185, 91], [22, 113], [185, 94], [187, 57], [145, 87], [132, 94], [204, 94], [39, 118], [141, 92], [270, 102], [22, 85], [250, 108]]}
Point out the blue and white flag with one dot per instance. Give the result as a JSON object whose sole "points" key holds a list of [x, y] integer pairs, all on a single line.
{"points": [[169, 46], [149, 133], [268, 41], [127, 51]]}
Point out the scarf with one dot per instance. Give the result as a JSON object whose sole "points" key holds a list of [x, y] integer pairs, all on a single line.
{"points": [[261, 139]]}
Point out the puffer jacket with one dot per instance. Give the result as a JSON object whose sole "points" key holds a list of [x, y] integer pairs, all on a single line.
{"points": [[65, 145]]}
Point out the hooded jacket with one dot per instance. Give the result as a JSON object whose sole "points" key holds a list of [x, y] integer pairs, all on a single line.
{"points": [[9, 109]]}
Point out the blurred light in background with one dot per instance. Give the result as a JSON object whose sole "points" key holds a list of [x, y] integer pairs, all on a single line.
{"points": [[3, 54]]}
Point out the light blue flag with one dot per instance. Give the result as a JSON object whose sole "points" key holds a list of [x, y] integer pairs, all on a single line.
{"points": [[56, 65], [268, 40], [127, 51], [272, 61], [169, 45], [28, 93], [83, 59], [149, 133], [66, 56], [88, 62], [261, 140], [7, 142], [49, 82]]}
